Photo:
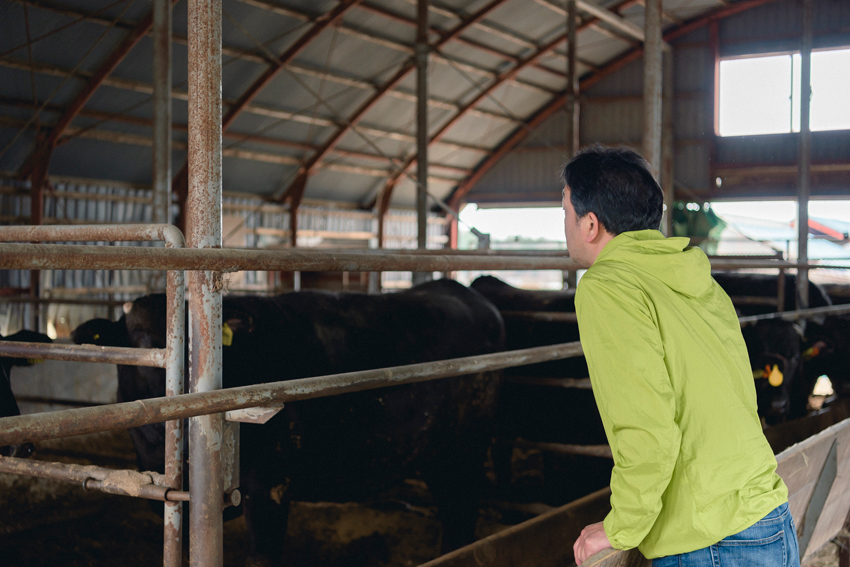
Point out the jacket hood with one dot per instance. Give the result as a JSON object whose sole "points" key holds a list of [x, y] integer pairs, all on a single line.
{"points": [[672, 261]]}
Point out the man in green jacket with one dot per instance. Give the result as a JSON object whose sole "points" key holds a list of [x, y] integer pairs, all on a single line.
{"points": [[694, 480]]}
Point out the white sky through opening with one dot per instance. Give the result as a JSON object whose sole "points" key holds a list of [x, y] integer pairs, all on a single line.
{"points": [[548, 222], [757, 97]]}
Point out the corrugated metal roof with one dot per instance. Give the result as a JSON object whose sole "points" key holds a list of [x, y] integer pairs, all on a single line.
{"points": [[358, 55]]}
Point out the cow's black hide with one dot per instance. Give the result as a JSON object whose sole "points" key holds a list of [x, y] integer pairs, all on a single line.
{"points": [[348, 447], [777, 343], [8, 404], [765, 285]]}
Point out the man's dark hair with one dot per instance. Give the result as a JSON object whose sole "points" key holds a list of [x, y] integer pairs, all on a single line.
{"points": [[616, 184]]}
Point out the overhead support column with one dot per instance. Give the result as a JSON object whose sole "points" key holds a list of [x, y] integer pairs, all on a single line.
{"points": [[804, 156], [162, 111], [204, 227], [422, 49], [652, 86], [667, 101], [572, 83]]}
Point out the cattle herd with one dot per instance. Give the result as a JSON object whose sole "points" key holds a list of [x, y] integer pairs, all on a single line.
{"points": [[352, 447]]}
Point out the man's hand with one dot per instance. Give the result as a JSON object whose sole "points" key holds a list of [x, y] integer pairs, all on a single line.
{"points": [[592, 540]]}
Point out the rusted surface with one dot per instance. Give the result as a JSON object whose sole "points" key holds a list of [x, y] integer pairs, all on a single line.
{"points": [[85, 353], [174, 386], [162, 111], [541, 316], [93, 233], [124, 482], [69, 257], [204, 231], [66, 423]]}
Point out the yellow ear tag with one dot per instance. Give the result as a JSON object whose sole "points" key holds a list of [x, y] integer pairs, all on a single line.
{"points": [[226, 335], [775, 377], [96, 336], [810, 353], [35, 360]]}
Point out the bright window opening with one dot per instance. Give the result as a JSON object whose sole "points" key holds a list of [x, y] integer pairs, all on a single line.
{"points": [[761, 95]]}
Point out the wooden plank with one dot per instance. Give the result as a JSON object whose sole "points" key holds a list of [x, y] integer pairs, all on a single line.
{"points": [[800, 467], [837, 506], [544, 541]]}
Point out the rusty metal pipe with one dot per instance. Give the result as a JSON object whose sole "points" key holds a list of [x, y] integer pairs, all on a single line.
{"points": [[93, 233], [545, 316], [66, 423], [175, 340], [203, 213], [70, 257], [85, 353], [797, 315], [602, 451], [60, 301], [122, 482]]}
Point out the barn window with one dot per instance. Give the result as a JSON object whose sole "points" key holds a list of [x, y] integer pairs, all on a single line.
{"points": [[761, 95]]}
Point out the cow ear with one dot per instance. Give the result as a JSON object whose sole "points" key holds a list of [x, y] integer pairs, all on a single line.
{"points": [[236, 323]]}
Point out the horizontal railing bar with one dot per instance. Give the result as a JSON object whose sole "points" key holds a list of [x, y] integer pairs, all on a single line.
{"points": [[797, 315], [546, 316], [753, 300], [61, 301], [441, 252], [572, 383], [65, 423], [85, 353], [122, 482], [70, 257], [603, 451], [93, 233]]}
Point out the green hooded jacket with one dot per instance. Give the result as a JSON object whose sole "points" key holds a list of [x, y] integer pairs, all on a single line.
{"points": [[673, 383]]}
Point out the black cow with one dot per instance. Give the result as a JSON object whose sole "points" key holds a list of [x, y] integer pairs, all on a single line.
{"points": [[781, 390], [828, 352], [8, 404], [349, 447], [765, 285], [544, 413]]}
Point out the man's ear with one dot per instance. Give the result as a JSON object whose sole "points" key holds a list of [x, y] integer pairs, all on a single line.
{"points": [[590, 227]]}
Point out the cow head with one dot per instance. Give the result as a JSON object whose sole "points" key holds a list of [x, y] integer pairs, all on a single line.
{"points": [[774, 351], [828, 352], [8, 404]]}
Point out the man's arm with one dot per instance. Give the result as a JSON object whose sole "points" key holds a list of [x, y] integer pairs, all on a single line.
{"points": [[632, 388]]}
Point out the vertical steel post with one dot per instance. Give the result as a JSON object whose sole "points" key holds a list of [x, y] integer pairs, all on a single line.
{"points": [[162, 111], [422, 49], [804, 157], [667, 102], [652, 86], [176, 313], [204, 226], [572, 83]]}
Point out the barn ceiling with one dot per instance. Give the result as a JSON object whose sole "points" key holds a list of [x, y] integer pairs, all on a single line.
{"points": [[315, 90]]}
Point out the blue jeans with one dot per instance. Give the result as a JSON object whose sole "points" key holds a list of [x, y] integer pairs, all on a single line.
{"points": [[770, 542]]}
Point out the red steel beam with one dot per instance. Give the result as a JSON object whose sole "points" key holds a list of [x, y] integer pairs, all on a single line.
{"points": [[181, 180], [505, 76], [299, 184], [106, 68], [558, 100]]}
